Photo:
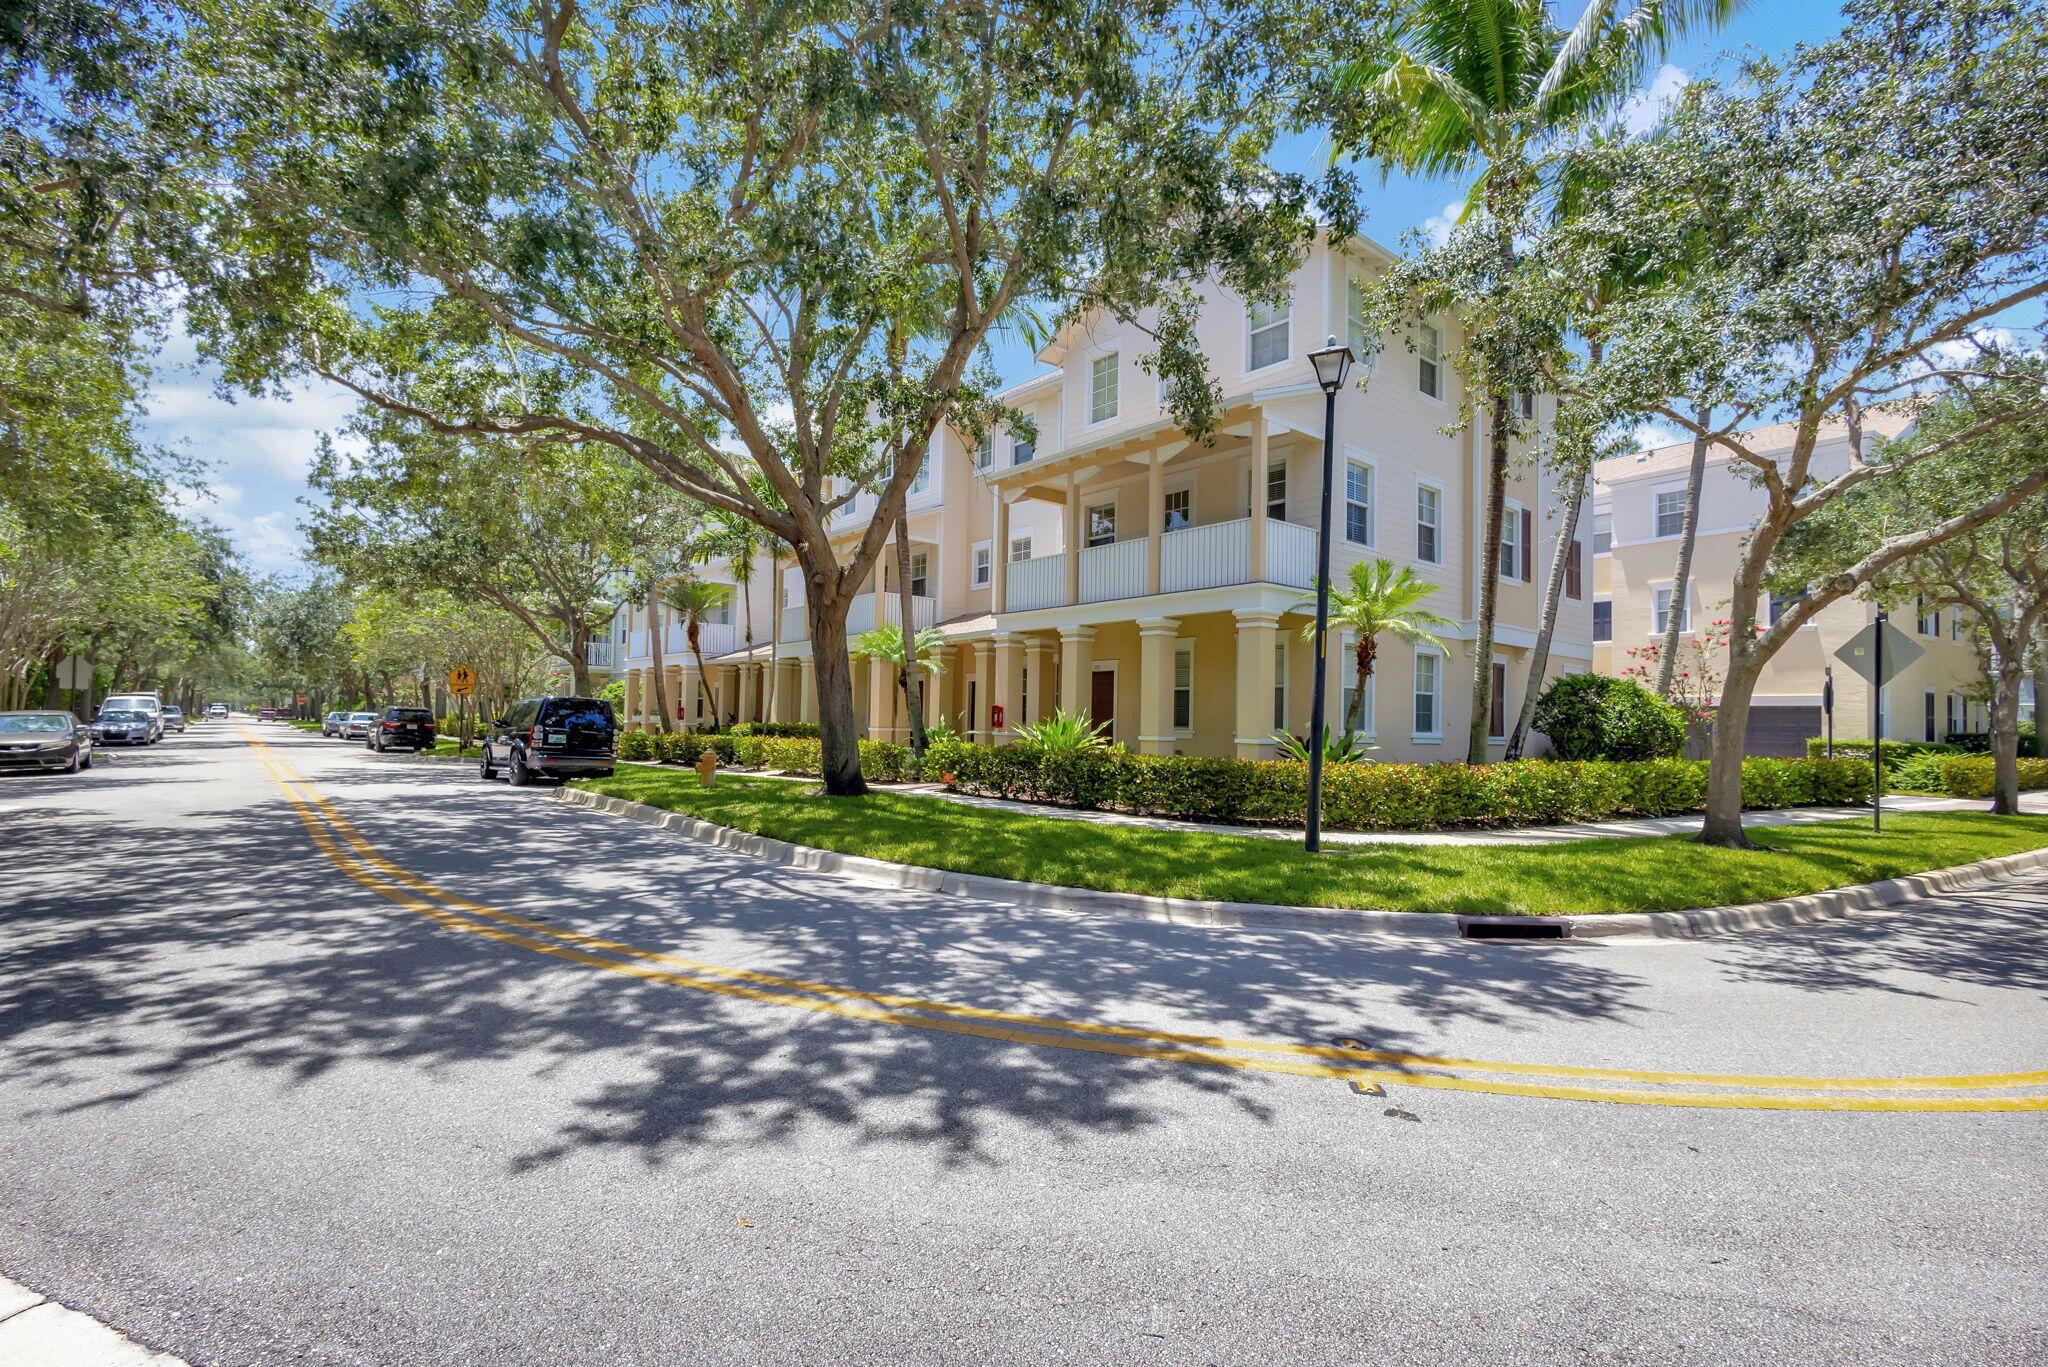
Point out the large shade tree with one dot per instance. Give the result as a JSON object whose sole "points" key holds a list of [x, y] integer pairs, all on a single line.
{"points": [[1874, 205], [683, 231]]}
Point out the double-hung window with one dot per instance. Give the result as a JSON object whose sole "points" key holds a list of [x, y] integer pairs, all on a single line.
{"points": [[1660, 611], [1670, 512], [1927, 715], [920, 578], [1603, 533], [1266, 337], [1179, 510], [1280, 684], [1350, 700], [1511, 548], [1930, 621], [1955, 624], [1429, 690], [1184, 687], [1356, 335], [983, 564], [922, 482], [1358, 503], [985, 450], [1429, 524], [1603, 619], [1102, 524], [1428, 346], [1022, 449], [1276, 491], [1102, 388], [1497, 703]]}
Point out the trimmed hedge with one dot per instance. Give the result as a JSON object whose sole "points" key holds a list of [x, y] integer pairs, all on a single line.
{"points": [[1974, 775], [1895, 751], [1368, 797]]}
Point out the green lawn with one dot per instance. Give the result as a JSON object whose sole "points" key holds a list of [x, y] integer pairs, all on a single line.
{"points": [[1648, 874]]}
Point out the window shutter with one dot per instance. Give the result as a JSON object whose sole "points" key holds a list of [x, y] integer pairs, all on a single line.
{"points": [[1528, 545]]}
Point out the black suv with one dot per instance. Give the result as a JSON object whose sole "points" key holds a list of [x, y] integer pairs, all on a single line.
{"points": [[557, 737], [410, 728]]}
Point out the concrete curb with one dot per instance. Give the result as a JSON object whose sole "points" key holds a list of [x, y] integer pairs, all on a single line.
{"points": [[35, 1329], [1696, 924]]}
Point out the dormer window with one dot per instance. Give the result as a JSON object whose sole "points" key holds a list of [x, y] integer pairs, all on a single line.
{"points": [[1102, 388]]}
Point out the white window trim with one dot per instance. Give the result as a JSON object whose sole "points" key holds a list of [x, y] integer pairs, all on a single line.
{"points": [[1284, 320], [1348, 643], [1427, 397], [1088, 541], [1115, 358], [1372, 500], [980, 576], [1684, 610], [1026, 540], [1185, 484], [1436, 487], [1511, 516], [1655, 494], [1186, 643], [1281, 657], [1597, 515], [1427, 737]]}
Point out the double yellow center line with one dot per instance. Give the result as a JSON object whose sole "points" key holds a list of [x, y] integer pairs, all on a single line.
{"points": [[346, 848]]}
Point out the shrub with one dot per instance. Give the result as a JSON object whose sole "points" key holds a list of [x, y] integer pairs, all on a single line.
{"points": [[1062, 733], [1975, 775], [778, 729], [1591, 716], [1918, 772], [1384, 796], [1896, 752], [636, 745]]}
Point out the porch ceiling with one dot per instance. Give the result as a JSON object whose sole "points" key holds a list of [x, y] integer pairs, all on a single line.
{"points": [[1048, 478]]}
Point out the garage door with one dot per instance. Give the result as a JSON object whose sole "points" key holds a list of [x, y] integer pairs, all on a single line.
{"points": [[1781, 730]]}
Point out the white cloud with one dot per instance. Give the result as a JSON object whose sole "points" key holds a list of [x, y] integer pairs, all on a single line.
{"points": [[1649, 435], [1437, 227], [1646, 108]]}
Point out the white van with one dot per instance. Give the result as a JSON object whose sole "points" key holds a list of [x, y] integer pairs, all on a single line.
{"points": [[151, 703]]}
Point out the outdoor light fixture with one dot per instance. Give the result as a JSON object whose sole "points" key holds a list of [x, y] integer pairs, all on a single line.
{"points": [[1333, 364]]}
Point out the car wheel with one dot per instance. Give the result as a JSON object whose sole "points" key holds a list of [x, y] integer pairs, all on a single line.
{"points": [[77, 757], [484, 770], [604, 773], [516, 773], [88, 760]]}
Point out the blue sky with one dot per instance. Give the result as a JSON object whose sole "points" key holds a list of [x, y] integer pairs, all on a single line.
{"points": [[261, 449]]}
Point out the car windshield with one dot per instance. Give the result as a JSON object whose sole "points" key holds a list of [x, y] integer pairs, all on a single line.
{"points": [[174, 711], [33, 722], [121, 716], [362, 716]]}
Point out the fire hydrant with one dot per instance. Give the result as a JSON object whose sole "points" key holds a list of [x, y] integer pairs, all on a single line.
{"points": [[707, 765]]}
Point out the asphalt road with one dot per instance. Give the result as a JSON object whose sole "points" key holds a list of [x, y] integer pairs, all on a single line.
{"points": [[255, 1110]]}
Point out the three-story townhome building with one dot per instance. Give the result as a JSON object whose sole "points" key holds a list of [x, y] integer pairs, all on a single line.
{"points": [[1638, 517], [1109, 565]]}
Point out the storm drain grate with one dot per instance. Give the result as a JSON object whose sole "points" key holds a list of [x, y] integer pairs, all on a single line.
{"points": [[1512, 928]]}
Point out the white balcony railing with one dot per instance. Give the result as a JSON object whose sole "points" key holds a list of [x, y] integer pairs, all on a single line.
{"points": [[1113, 571], [598, 654], [1206, 557], [1039, 583], [1290, 554], [636, 645], [796, 623], [861, 616]]}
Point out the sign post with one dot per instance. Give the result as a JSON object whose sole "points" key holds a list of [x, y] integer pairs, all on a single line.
{"points": [[462, 683], [1827, 705], [1878, 653], [74, 672]]}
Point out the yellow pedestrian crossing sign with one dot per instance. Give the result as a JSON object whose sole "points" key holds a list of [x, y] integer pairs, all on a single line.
{"points": [[462, 681]]}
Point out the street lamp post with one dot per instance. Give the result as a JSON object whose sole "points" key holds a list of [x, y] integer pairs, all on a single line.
{"points": [[1333, 366]]}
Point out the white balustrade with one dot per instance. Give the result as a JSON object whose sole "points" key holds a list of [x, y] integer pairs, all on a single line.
{"points": [[796, 623], [1113, 571], [861, 616], [1037, 583], [598, 654], [1206, 557], [1290, 554]]}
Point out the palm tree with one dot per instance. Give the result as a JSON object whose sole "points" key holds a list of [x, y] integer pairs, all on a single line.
{"points": [[884, 646], [1382, 601], [694, 601], [1484, 86]]}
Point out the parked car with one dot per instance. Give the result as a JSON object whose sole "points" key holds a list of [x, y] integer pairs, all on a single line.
{"points": [[122, 726], [334, 723], [266, 714], [218, 710], [174, 719], [406, 728], [358, 725], [555, 737], [149, 704], [44, 740]]}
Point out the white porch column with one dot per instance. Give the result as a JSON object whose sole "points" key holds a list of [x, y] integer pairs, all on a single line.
{"points": [[1260, 460], [1073, 540], [881, 699], [1155, 516], [1009, 684], [1257, 634], [672, 683], [1037, 679], [635, 682], [999, 558], [806, 691], [984, 691], [1077, 668], [1156, 636]]}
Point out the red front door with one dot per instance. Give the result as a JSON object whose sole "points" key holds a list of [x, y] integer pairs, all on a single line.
{"points": [[1102, 701]]}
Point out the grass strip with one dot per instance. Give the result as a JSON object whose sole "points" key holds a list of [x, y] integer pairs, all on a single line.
{"points": [[1648, 873]]}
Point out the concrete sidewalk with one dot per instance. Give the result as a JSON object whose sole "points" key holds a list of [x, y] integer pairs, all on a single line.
{"points": [[1505, 835], [36, 1331]]}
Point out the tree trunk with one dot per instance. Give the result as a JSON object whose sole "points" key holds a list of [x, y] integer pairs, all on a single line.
{"points": [[1489, 581], [911, 680], [579, 662], [838, 726], [1731, 727], [1553, 592], [1362, 656], [774, 632], [1681, 573], [2005, 735], [656, 667]]}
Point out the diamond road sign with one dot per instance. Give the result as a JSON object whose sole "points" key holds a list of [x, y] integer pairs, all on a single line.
{"points": [[1859, 652]]}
